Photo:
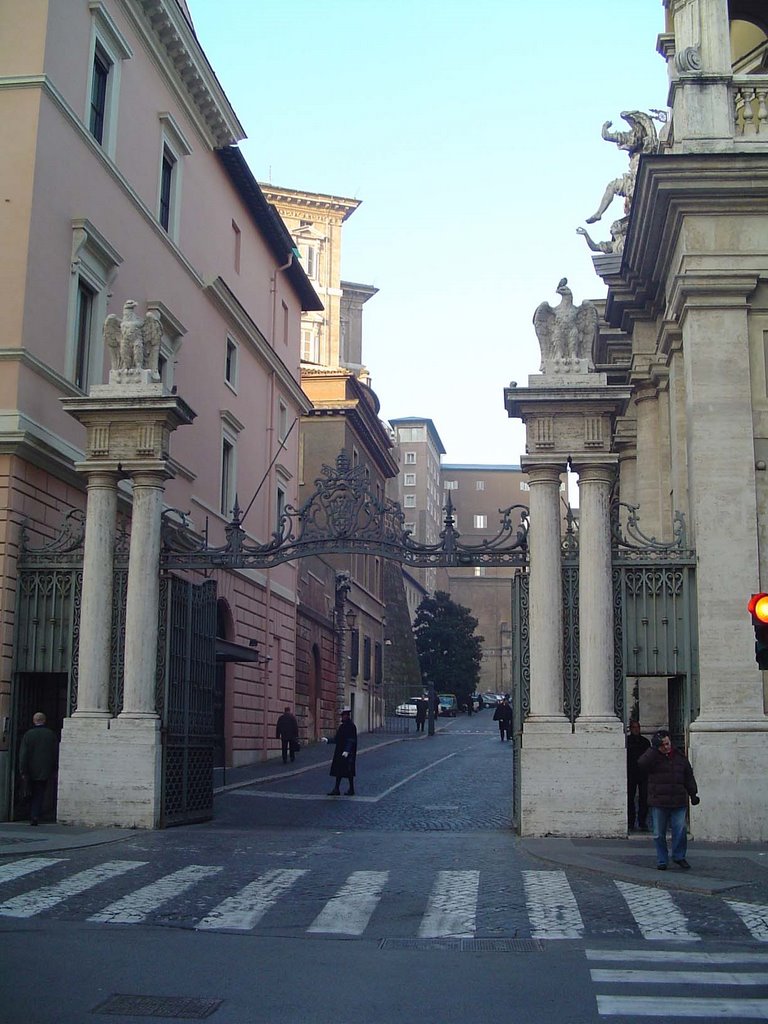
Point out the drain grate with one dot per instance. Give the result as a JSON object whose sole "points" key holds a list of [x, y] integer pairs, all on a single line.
{"points": [[159, 1006], [467, 945]]}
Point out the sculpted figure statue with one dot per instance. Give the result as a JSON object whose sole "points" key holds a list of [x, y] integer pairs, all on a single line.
{"points": [[133, 344], [618, 237], [566, 333], [641, 138]]}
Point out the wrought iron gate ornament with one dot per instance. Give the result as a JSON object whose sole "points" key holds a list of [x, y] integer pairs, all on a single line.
{"points": [[631, 543], [343, 516]]}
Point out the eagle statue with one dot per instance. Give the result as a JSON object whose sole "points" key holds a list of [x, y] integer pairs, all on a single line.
{"points": [[133, 344], [566, 333]]}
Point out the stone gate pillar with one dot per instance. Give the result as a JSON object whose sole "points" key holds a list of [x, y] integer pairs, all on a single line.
{"points": [[96, 605], [573, 777], [110, 767]]}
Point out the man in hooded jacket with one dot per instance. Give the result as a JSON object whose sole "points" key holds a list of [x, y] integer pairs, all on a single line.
{"points": [[670, 783]]}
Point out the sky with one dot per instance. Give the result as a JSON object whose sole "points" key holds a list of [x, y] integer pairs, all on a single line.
{"points": [[470, 131]]}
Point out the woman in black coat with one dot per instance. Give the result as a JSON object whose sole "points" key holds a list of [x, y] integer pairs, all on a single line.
{"points": [[344, 754]]}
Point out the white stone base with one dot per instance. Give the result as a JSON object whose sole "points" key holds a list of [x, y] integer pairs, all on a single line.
{"points": [[573, 783], [109, 772], [730, 762]]}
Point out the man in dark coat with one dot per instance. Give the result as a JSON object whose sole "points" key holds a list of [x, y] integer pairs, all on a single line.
{"points": [[670, 783], [422, 706], [344, 754], [37, 762], [503, 715], [287, 731], [637, 784]]}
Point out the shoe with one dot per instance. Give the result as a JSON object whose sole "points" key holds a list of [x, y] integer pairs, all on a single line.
{"points": [[293, 759], [661, 867], [335, 792], [33, 821], [683, 864], [350, 792]]}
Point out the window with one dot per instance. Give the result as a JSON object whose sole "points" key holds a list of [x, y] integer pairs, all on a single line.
{"points": [[378, 665], [409, 527], [101, 66], [366, 658], [227, 502], [524, 485], [409, 480], [108, 49], [174, 147], [479, 570], [410, 458], [282, 421], [94, 266], [238, 243], [310, 344], [83, 333], [480, 522], [411, 433], [354, 653], [451, 485], [286, 321], [170, 343], [230, 364], [479, 485], [409, 501], [279, 501]]}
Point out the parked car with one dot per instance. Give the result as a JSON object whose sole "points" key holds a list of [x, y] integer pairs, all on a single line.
{"points": [[491, 699], [407, 709], [449, 705]]}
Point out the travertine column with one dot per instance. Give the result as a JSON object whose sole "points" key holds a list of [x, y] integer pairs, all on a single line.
{"points": [[96, 608], [143, 596], [545, 595], [596, 590]]}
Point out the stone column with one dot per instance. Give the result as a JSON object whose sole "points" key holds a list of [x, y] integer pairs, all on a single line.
{"points": [[96, 608], [596, 590], [545, 595], [143, 597]]}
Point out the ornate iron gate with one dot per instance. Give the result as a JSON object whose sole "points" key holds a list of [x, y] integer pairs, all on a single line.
{"points": [[186, 679], [654, 628]]}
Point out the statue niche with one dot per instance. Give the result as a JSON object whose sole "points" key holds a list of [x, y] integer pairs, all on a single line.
{"points": [[566, 334]]}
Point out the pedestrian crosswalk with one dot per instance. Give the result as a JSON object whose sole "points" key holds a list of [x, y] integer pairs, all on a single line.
{"points": [[668, 983], [456, 904]]}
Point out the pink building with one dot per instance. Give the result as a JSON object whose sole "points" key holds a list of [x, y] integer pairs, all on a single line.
{"points": [[122, 180]]}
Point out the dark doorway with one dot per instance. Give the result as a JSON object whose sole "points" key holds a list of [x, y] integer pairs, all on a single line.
{"points": [[37, 691]]}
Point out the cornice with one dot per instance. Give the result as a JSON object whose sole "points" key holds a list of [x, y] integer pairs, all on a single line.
{"points": [[170, 39], [294, 199], [23, 356], [669, 189]]}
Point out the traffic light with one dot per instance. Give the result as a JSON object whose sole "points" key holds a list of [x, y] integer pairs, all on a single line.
{"points": [[758, 609]]}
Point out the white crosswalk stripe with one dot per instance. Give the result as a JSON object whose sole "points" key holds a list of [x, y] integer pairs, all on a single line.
{"points": [[655, 913], [452, 906], [701, 970], [552, 907], [754, 916], [137, 906], [19, 868], [349, 912], [29, 904], [244, 910]]}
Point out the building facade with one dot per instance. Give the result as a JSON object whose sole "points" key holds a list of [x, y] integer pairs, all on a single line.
{"points": [[124, 182]]}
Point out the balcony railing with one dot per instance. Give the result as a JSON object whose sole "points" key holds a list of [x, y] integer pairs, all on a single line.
{"points": [[750, 107]]}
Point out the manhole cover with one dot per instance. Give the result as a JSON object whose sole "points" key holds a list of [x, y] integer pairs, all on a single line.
{"points": [[159, 1006]]}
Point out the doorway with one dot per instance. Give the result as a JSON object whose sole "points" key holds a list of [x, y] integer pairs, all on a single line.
{"points": [[36, 691]]}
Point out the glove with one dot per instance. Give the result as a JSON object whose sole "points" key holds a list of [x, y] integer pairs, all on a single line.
{"points": [[695, 800], [345, 754]]}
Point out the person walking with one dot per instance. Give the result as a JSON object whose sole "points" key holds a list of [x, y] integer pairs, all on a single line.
{"points": [[670, 783], [637, 784], [422, 706], [344, 754], [37, 762], [503, 715], [287, 731]]}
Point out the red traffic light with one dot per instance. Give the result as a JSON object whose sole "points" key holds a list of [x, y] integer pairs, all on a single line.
{"points": [[758, 607]]}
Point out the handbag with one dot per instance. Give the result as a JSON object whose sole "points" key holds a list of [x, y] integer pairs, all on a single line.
{"points": [[295, 746]]}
